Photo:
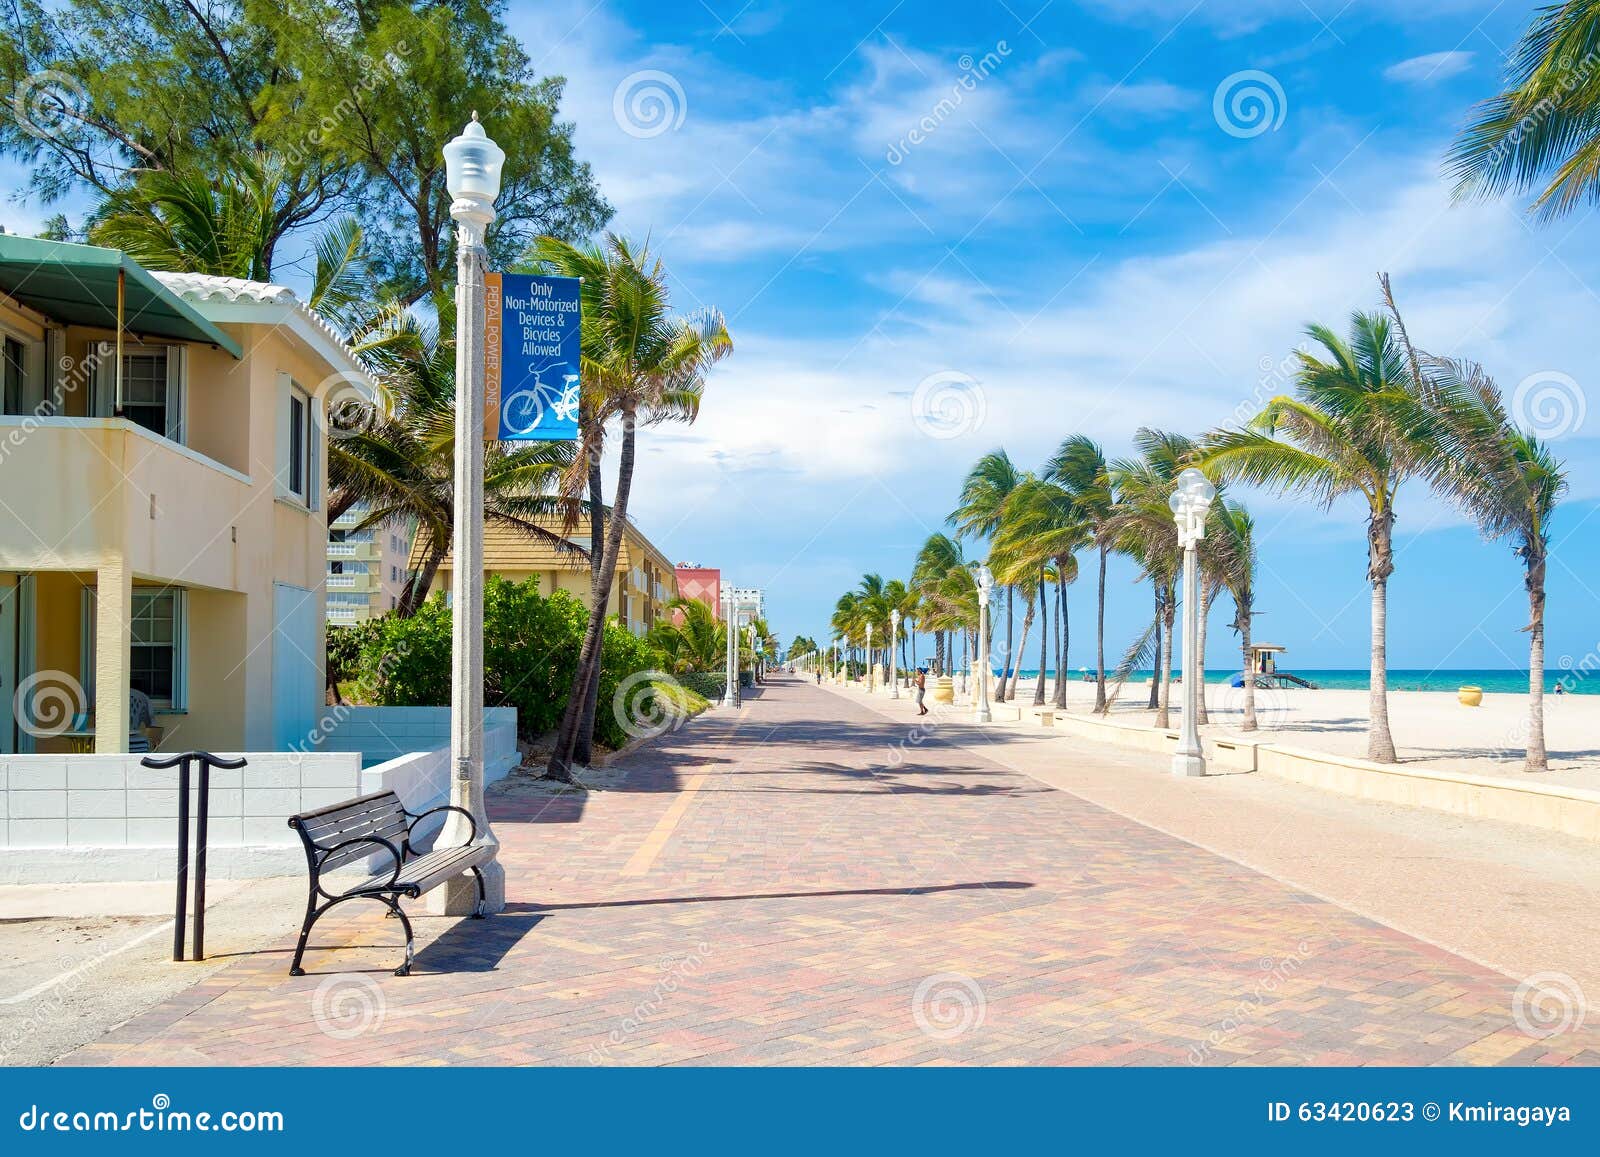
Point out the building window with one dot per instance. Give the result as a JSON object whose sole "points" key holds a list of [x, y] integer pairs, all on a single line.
{"points": [[297, 446], [394, 574], [154, 665], [158, 647], [14, 366], [144, 389]]}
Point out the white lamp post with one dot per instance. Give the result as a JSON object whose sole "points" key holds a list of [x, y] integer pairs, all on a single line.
{"points": [[894, 652], [869, 659], [985, 580], [472, 175], [1189, 503], [730, 692]]}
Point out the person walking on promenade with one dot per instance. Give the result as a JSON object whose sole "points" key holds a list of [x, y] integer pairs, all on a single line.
{"points": [[922, 689]]}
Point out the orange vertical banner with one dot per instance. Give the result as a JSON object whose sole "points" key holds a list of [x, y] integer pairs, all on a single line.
{"points": [[491, 357]]}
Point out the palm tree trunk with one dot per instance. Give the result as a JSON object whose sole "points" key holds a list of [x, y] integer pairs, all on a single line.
{"points": [[1164, 711], [1200, 716], [1100, 639], [583, 750], [1022, 645], [1155, 671], [416, 592], [1044, 639], [1011, 615], [1380, 565], [1063, 639], [560, 765], [1250, 723], [1537, 759]]}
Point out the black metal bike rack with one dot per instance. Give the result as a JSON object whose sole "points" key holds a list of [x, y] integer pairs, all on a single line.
{"points": [[184, 763]]}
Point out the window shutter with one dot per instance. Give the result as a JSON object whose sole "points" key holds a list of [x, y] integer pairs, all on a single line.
{"points": [[177, 375], [103, 379], [281, 454], [180, 649], [51, 381]]}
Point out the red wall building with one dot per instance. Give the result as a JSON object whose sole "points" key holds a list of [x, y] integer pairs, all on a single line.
{"points": [[701, 582]]}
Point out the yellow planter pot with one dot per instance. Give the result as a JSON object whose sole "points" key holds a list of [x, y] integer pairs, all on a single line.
{"points": [[1470, 696], [944, 689]]}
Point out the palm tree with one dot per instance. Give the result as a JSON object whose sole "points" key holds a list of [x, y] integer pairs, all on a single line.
{"points": [[903, 597], [1142, 528], [194, 222], [692, 638], [640, 363], [1546, 124], [1510, 482], [400, 462], [1044, 526], [1018, 572], [1234, 548], [978, 513], [937, 575], [1356, 425], [1079, 467]]}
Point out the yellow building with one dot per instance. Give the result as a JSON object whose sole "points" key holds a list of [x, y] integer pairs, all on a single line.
{"points": [[161, 520], [645, 582]]}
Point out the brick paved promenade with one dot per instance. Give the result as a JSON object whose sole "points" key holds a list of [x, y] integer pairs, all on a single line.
{"points": [[797, 887]]}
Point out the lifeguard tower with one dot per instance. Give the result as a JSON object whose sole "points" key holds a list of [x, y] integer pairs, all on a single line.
{"points": [[1264, 668]]}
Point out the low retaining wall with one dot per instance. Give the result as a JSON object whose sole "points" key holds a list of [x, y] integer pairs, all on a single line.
{"points": [[101, 818], [1574, 811]]}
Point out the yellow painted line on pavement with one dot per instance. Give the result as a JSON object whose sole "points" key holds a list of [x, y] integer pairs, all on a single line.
{"points": [[643, 859]]}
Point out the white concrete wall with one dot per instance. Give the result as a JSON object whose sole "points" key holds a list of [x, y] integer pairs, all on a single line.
{"points": [[97, 818], [382, 733]]}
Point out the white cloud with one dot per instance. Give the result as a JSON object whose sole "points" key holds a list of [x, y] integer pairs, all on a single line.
{"points": [[1431, 68]]}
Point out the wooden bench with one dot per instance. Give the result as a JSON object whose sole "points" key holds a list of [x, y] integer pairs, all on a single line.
{"points": [[378, 824]]}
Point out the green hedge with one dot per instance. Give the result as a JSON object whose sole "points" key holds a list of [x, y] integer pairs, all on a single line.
{"points": [[530, 652], [707, 684]]}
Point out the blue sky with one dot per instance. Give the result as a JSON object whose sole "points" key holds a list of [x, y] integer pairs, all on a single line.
{"points": [[1093, 237], [1081, 237]]}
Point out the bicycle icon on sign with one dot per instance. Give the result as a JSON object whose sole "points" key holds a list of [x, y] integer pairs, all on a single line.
{"points": [[523, 412]]}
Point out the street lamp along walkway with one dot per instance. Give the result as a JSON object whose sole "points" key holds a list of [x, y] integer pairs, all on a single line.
{"points": [[1189, 504], [472, 175]]}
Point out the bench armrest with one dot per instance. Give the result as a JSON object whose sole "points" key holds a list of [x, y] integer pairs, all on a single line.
{"points": [[379, 841], [418, 817]]}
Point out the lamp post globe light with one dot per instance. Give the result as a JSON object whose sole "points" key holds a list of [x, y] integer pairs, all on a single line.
{"points": [[894, 647], [1189, 504], [985, 580], [472, 176]]}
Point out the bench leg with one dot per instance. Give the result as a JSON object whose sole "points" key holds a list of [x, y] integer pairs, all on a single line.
{"points": [[394, 906], [312, 913], [477, 913]]}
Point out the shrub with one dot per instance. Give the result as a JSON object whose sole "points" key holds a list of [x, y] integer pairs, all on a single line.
{"points": [[406, 662], [530, 652], [708, 685], [623, 653], [344, 650]]}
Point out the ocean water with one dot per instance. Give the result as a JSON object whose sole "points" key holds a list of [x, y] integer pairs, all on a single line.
{"points": [[1493, 681]]}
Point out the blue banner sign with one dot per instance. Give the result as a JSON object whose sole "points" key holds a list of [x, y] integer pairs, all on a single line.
{"points": [[531, 357]]}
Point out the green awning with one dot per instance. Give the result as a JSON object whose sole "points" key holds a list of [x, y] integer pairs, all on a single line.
{"points": [[77, 285]]}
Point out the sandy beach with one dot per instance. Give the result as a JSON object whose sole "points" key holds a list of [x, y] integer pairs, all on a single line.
{"points": [[1430, 729]]}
